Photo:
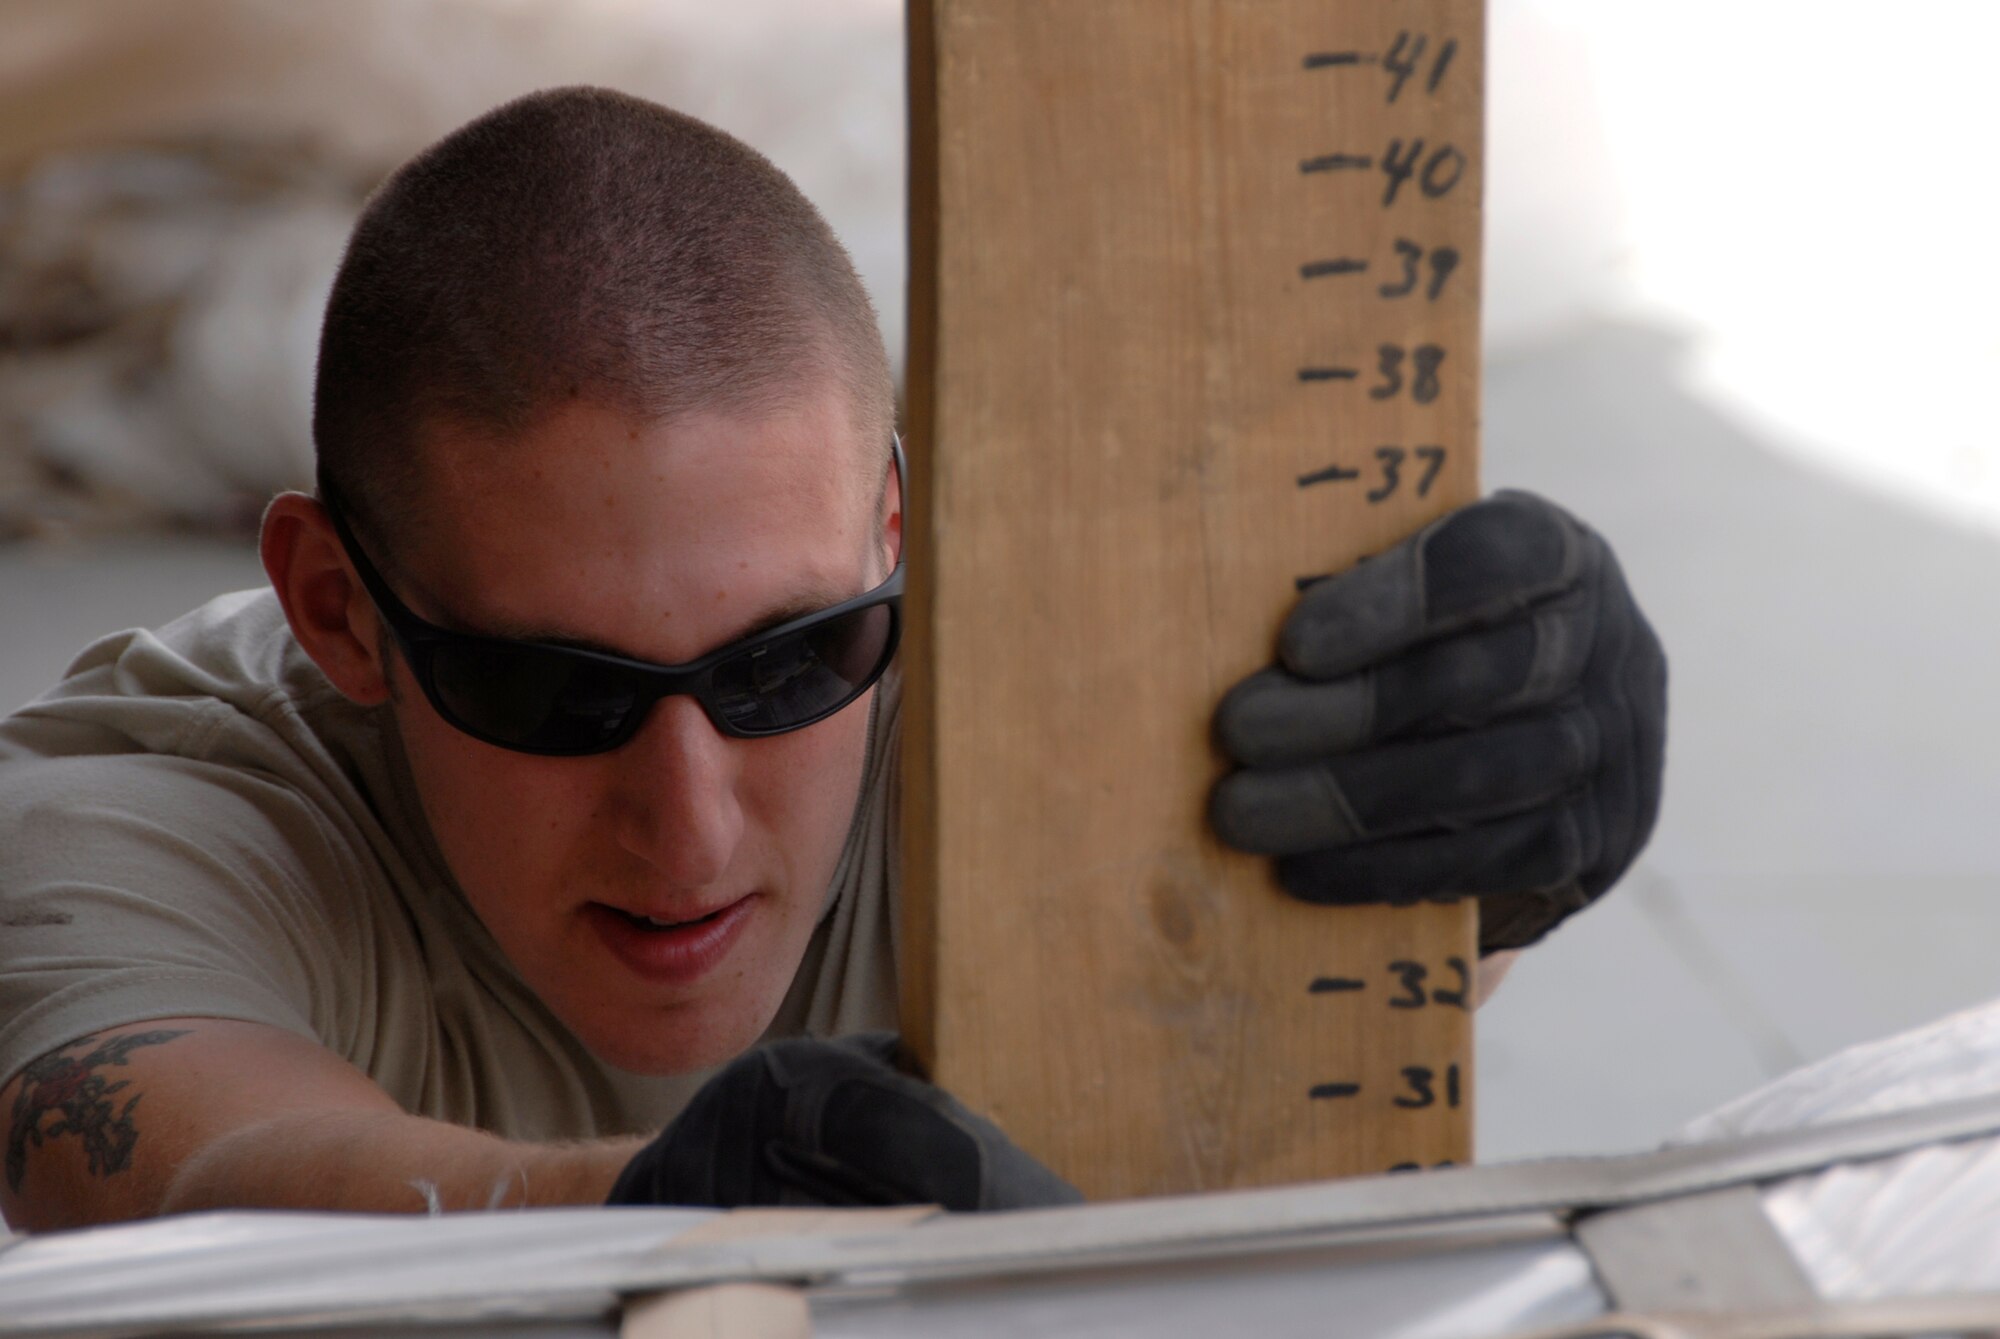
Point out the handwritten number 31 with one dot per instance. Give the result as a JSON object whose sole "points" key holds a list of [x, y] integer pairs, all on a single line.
{"points": [[1421, 1081]]}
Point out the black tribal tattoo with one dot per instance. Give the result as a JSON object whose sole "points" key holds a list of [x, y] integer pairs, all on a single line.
{"points": [[70, 1086]]}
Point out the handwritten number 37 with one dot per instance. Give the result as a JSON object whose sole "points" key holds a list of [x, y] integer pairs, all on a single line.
{"points": [[1392, 458]]}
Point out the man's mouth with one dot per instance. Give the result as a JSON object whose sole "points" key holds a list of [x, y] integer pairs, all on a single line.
{"points": [[651, 923], [675, 952]]}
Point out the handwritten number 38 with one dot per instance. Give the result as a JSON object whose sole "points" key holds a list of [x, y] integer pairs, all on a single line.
{"points": [[1425, 360]]}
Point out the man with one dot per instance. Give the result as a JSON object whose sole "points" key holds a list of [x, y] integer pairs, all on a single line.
{"points": [[420, 870]]}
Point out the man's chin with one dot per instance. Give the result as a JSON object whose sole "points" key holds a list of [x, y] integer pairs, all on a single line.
{"points": [[666, 1003], [681, 1040]]}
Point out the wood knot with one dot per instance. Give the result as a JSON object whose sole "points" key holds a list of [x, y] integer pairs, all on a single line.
{"points": [[1174, 912]]}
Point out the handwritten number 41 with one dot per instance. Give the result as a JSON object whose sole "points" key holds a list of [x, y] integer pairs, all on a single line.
{"points": [[1402, 62], [1405, 55]]}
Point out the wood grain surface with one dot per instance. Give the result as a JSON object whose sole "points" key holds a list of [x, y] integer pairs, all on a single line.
{"points": [[1194, 316]]}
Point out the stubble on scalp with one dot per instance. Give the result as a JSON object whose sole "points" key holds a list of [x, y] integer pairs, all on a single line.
{"points": [[580, 244]]}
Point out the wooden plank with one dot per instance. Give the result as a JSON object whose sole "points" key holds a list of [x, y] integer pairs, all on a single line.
{"points": [[719, 1311], [1158, 250]]}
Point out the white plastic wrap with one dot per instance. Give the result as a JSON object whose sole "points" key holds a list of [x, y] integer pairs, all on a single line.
{"points": [[542, 1273], [208, 1268], [1501, 1289], [1923, 1223]]}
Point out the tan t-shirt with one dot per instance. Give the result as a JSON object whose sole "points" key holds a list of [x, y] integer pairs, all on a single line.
{"points": [[195, 823]]}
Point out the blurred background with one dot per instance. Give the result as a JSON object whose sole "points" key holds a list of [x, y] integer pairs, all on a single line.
{"points": [[1738, 279]]}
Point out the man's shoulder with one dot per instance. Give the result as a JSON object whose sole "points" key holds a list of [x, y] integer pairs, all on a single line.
{"points": [[213, 730], [142, 885], [176, 798], [225, 683], [236, 648], [176, 840]]}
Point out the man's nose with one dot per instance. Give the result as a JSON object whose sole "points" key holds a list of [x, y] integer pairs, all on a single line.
{"points": [[676, 794]]}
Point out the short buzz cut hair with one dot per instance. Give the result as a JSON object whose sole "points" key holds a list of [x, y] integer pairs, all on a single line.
{"points": [[579, 242]]}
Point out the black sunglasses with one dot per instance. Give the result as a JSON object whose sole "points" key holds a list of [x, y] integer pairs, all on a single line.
{"points": [[540, 697]]}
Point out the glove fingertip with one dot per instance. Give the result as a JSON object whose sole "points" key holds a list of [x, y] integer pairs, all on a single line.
{"points": [[1302, 880], [1357, 617], [1233, 724], [1244, 815]]}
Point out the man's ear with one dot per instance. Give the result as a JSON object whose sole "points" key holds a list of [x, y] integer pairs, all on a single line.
{"points": [[893, 536], [324, 600]]}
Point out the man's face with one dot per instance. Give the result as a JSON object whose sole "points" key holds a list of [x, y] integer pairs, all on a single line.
{"points": [[660, 542]]}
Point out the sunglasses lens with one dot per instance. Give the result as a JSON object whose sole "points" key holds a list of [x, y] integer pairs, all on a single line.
{"points": [[530, 697], [795, 679], [548, 700]]}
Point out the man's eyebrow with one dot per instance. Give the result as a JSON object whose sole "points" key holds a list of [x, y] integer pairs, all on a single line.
{"points": [[794, 604]]}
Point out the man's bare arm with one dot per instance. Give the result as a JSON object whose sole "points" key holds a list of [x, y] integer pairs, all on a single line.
{"points": [[1493, 969], [197, 1113]]}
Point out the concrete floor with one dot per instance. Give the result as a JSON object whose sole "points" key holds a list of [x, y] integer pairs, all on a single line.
{"points": [[56, 599], [1824, 870], [1822, 873]]}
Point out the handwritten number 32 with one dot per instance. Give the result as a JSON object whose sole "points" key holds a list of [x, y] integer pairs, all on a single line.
{"points": [[1411, 975]]}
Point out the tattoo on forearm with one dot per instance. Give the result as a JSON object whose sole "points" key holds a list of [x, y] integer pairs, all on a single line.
{"points": [[69, 1086]]}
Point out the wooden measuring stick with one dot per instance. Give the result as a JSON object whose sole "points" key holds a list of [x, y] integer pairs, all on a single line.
{"points": [[1194, 320]]}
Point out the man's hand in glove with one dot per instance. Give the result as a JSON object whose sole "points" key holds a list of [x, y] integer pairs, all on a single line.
{"points": [[1480, 710], [833, 1124]]}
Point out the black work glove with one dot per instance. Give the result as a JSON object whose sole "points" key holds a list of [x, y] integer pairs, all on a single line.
{"points": [[833, 1124], [1480, 710]]}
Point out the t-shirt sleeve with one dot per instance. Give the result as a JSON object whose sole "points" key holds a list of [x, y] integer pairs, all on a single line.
{"points": [[149, 886]]}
